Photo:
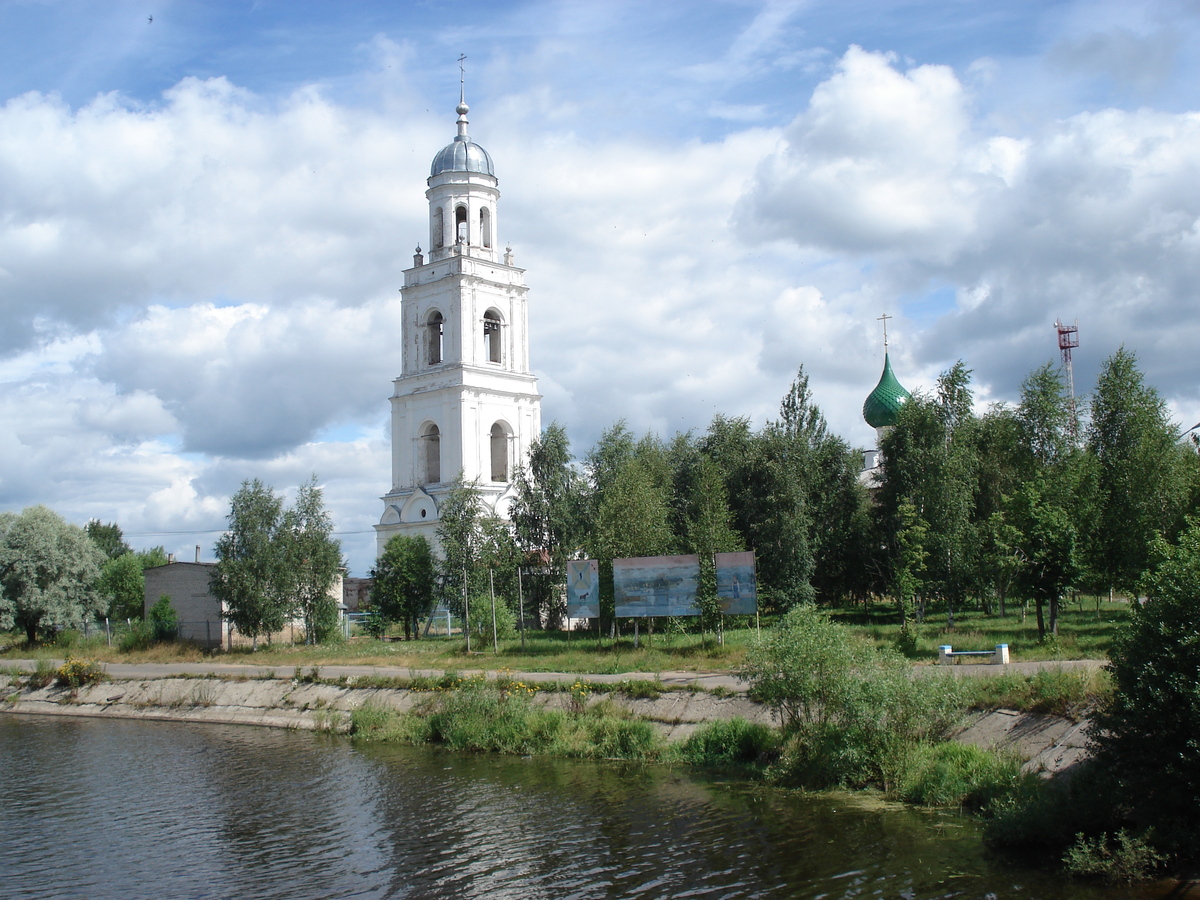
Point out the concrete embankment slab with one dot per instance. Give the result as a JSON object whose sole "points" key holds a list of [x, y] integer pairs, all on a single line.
{"points": [[1048, 743]]}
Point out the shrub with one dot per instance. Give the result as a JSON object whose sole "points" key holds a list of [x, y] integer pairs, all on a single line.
{"points": [[851, 714], [1122, 857], [75, 673], [1146, 734], [958, 775], [163, 620], [735, 742], [376, 623], [140, 636], [481, 620], [43, 674]]}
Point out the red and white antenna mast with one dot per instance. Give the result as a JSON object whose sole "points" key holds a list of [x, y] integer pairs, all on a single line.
{"points": [[1068, 340]]}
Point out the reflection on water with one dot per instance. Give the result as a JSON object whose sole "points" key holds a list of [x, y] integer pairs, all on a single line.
{"points": [[120, 809]]}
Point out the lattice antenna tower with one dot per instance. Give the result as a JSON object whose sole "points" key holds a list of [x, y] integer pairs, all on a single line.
{"points": [[1068, 340]]}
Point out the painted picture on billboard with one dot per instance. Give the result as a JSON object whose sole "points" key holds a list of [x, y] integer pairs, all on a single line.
{"points": [[583, 589], [656, 586], [737, 588]]}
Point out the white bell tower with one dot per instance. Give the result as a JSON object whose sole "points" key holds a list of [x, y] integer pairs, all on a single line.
{"points": [[466, 400]]}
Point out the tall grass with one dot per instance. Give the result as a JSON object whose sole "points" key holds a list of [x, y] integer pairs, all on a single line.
{"points": [[479, 716]]}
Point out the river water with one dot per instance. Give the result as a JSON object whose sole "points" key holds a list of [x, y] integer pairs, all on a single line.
{"points": [[107, 808]]}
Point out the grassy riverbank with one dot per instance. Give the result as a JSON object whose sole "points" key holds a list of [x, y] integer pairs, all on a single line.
{"points": [[1084, 633]]}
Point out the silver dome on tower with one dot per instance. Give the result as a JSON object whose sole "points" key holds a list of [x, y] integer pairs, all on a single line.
{"points": [[462, 154]]}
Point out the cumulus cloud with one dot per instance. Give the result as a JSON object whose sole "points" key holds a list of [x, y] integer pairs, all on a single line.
{"points": [[1092, 216]]}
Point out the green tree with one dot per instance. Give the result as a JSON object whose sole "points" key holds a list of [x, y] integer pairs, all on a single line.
{"points": [[1140, 493], [164, 620], [155, 556], [632, 521], [249, 573], [311, 561], [123, 586], [930, 461], [769, 505], [1146, 737], [1049, 558], [547, 516], [48, 569], [108, 538], [459, 535], [708, 524], [404, 585]]}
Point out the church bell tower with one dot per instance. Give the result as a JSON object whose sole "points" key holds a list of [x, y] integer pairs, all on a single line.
{"points": [[466, 401]]}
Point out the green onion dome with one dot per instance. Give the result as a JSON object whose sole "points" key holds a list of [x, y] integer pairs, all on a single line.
{"points": [[883, 404]]}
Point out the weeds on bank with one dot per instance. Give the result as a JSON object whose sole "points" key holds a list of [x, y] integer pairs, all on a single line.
{"points": [[1054, 691], [480, 716]]}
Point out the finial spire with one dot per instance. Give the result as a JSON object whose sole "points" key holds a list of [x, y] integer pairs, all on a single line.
{"points": [[884, 319], [462, 108]]}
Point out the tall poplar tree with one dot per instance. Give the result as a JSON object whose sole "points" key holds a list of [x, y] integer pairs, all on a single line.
{"points": [[1140, 493]]}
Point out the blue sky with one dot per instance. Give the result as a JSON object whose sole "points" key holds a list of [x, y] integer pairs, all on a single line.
{"points": [[204, 218]]}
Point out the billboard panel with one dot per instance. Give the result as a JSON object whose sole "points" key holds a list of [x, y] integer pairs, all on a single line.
{"points": [[656, 586], [737, 587], [583, 589]]}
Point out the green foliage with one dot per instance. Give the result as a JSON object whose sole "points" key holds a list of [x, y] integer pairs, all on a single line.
{"points": [[275, 563], [249, 571], [376, 623], [139, 636], [641, 688], [122, 585], [478, 716], [404, 584], [852, 714], [311, 558], [1122, 857], [48, 570], [1052, 691], [75, 673], [43, 674], [163, 619], [952, 774], [930, 462], [155, 556], [481, 621], [1147, 735], [732, 742], [1139, 489], [548, 515], [108, 538]]}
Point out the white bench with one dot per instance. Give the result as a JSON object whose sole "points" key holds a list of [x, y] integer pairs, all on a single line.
{"points": [[947, 655]]}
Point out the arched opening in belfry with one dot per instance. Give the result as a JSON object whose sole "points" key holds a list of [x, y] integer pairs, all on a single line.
{"points": [[438, 237], [436, 326], [460, 225], [485, 227], [431, 447], [498, 440], [492, 344]]}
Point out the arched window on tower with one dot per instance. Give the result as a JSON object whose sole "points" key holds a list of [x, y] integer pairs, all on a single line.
{"points": [[437, 329], [498, 440], [485, 227], [431, 447], [460, 225], [438, 238], [492, 345]]}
